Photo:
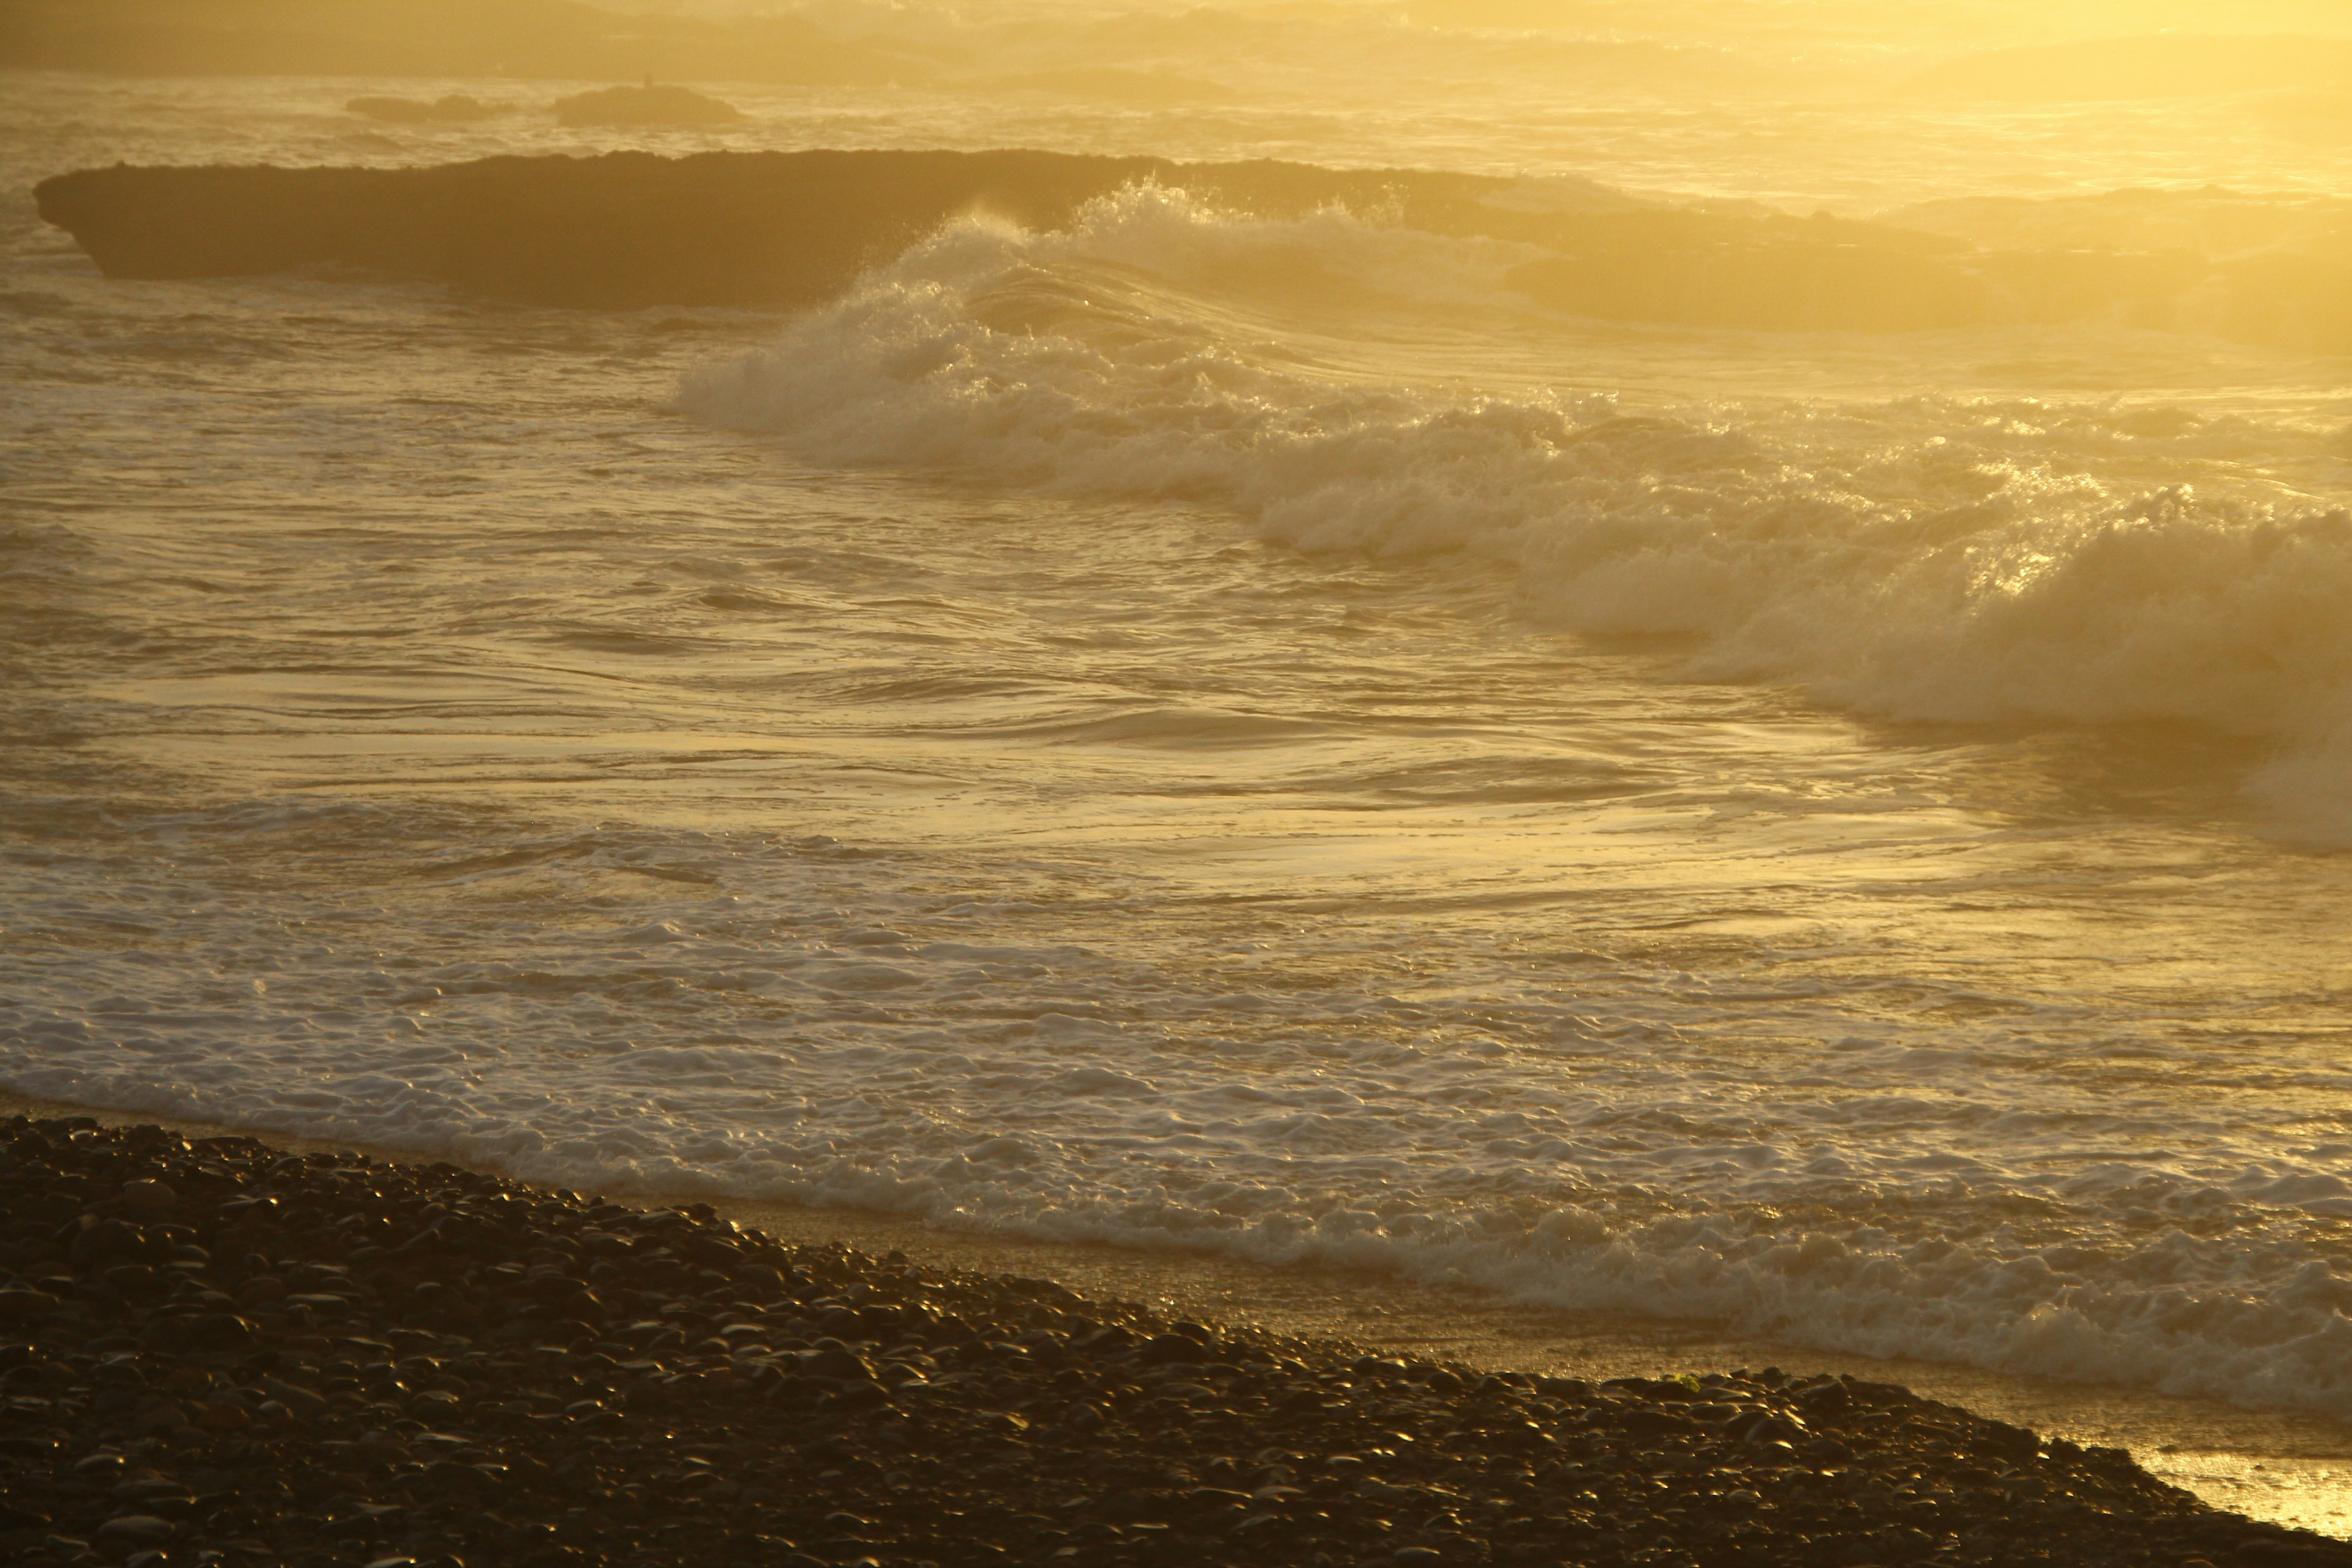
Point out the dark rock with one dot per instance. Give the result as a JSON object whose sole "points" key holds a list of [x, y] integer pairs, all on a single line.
{"points": [[158, 1416], [20, 1305], [219, 1331], [1045, 1423], [630, 230], [1825, 1399], [129, 1532], [148, 1198], [1165, 1349], [103, 1242], [2288, 1554], [837, 1362], [1768, 1429], [302, 1402], [261, 1290]]}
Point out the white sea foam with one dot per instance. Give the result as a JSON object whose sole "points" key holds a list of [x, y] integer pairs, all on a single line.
{"points": [[1616, 1136], [1932, 558], [1202, 897]]}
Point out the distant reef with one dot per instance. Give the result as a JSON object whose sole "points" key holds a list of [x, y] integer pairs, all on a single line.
{"points": [[628, 230], [624, 230], [647, 105]]}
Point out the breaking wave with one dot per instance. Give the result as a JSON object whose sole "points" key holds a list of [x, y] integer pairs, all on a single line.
{"points": [[1932, 558]]}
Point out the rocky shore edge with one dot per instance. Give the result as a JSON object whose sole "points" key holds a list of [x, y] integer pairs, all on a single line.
{"points": [[218, 1351]]}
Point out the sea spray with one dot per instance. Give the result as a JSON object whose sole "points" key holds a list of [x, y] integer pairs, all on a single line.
{"points": [[1930, 558]]}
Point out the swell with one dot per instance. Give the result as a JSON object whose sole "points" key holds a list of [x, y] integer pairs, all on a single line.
{"points": [[1933, 558]]}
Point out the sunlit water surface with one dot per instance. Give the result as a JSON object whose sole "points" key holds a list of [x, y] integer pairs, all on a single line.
{"points": [[1230, 738]]}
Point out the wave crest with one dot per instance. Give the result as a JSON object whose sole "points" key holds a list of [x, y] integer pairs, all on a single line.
{"points": [[1928, 559]]}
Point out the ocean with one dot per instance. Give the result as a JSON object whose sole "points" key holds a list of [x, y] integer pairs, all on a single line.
{"points": [[1241, 738]]}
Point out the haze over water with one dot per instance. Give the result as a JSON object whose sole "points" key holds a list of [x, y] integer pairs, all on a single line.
{"points": [[1238, 736]]}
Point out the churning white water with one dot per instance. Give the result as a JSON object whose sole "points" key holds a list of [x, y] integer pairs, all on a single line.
{"points": [[1228, 736]]}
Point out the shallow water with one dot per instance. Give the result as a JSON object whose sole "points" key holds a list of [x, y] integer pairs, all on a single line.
{"points": [[1232, 739]]}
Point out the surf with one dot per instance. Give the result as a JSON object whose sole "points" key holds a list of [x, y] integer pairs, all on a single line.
{"points": [[1926, 559]]}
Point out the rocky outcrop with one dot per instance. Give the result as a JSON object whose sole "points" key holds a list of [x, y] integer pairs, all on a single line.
{"points": [[624, 230], [629, 229]]}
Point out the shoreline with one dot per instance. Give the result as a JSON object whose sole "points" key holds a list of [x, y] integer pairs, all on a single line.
{"points": [[223, 1352], [2291, 1469]]}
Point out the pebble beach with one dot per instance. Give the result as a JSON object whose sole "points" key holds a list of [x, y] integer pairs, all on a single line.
{"points": [[218, 1350]]}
